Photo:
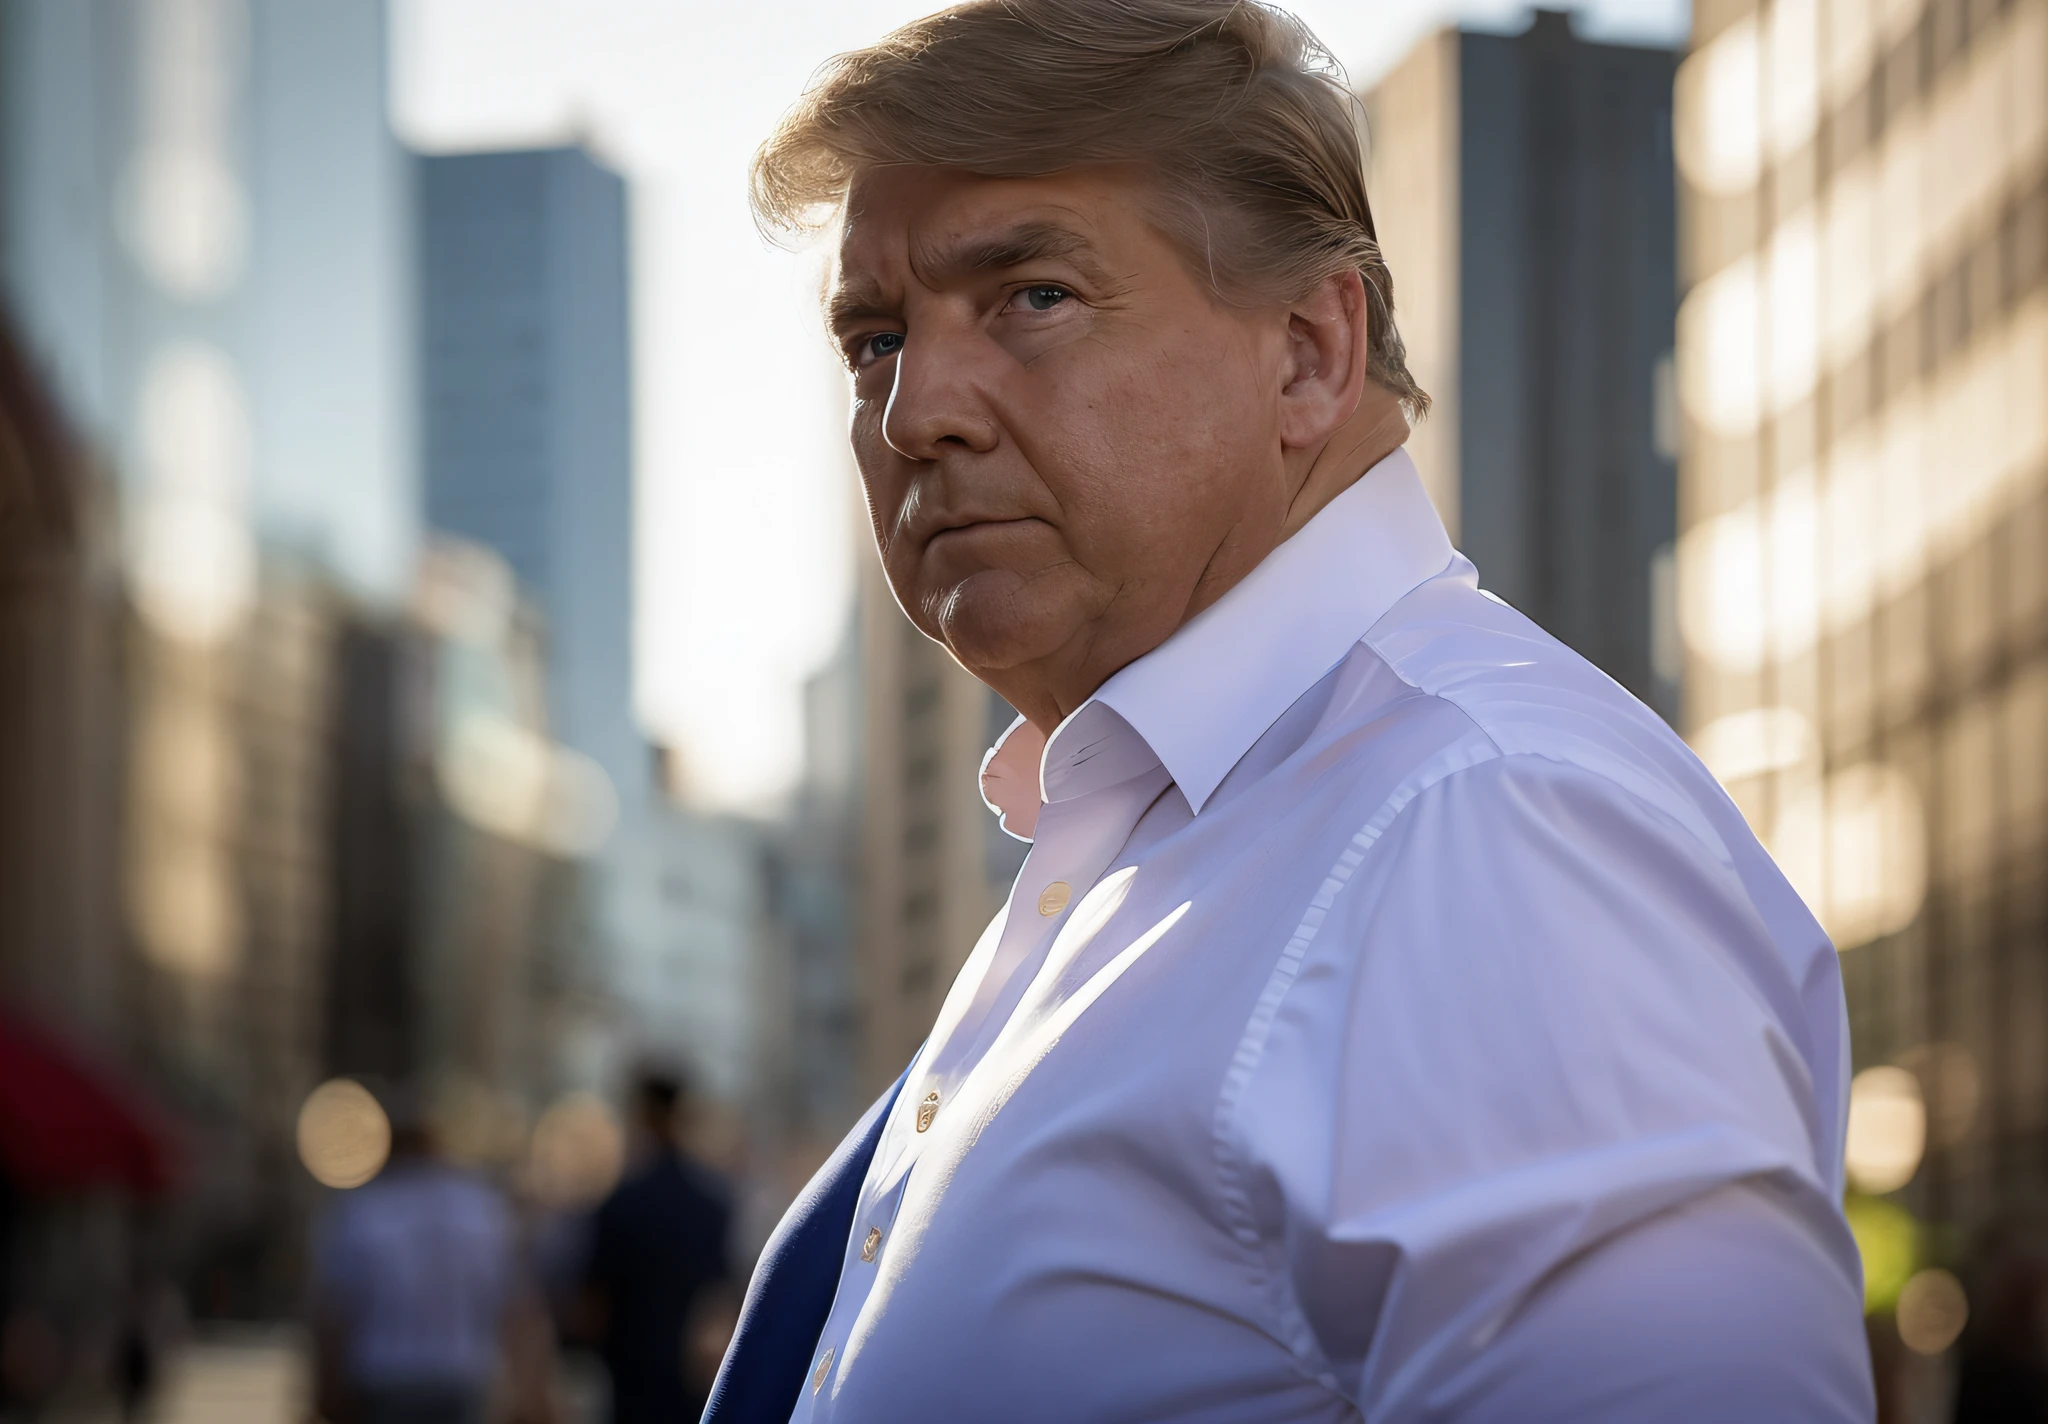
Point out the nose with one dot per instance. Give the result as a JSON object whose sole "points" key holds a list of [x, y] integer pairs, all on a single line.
{"points": [[936, 402]]}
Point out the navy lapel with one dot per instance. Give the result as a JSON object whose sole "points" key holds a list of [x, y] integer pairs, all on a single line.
{"points": [[794, 1284]]}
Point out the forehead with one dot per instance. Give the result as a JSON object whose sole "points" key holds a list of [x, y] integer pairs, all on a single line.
{"points": [[931, 224]]}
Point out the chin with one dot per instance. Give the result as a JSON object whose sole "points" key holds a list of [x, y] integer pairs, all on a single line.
{"points": [[990, 623]]}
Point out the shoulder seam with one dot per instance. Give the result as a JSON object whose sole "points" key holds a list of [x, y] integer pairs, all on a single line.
{"points": [[1406, 681], [1603, 776], [1231, 1166]]}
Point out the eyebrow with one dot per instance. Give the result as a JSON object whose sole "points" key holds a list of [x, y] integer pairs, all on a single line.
{"points": [[858, 300], [1034, 240]]}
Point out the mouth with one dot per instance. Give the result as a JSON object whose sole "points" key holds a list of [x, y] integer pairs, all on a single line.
{"points": [[973, 528]]}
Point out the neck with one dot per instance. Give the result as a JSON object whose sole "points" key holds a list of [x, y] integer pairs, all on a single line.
{"points": [[1376, 430]]}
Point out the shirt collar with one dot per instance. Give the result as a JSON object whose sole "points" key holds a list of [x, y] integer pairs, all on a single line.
{"points": [[1198, 701]]}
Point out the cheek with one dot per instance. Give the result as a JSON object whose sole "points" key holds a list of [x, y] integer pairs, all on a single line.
{"points": [[883, 481], [1145, 448]]}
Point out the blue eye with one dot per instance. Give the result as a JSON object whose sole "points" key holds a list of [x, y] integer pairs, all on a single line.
{"points": [[1043, 298], [883, 344]]}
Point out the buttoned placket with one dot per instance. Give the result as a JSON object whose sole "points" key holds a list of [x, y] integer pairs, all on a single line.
{"points": [[1078, 841]]}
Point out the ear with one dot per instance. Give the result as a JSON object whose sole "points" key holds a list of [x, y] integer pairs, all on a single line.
{"points": [[1328, 338]]}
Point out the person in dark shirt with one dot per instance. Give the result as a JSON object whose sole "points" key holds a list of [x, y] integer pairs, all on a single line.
{"points": [[659, 1289]]}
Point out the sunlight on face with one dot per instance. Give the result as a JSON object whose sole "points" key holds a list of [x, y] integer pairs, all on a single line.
{"points": [[1056, 423]]}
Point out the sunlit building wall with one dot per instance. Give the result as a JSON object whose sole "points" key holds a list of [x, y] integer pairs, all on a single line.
{"points": [[202, 216], [504, 837], [688, 898], [225, 862], [525, 361], [934, 865], [1522, 188], [459, 836], [1863, 572], [814, 891]]}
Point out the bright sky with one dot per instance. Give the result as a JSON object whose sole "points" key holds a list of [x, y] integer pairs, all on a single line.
{"points": [[747, 510]]}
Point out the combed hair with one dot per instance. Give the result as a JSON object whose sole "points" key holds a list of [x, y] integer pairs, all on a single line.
{"points": [[1235, 111]]}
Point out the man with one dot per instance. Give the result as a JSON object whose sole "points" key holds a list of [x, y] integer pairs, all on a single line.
{"points": [[419, 1298], [659, 1268], [1392, 1019]]}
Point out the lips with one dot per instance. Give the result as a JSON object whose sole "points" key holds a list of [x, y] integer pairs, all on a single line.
{"points": [[976, 526]]}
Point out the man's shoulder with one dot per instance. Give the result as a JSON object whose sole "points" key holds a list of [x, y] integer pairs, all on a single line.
{"points": [[1514, 692]]}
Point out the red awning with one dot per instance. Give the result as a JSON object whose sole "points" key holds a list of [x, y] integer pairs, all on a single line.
{"points": [[68, 1123]]}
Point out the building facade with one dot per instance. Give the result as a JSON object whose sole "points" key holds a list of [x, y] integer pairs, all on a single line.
{"points": [[1863, 573], [814, 869], [525, 361], [1522, 187], [202, 219], [525, 368], [934, 864], [204, 226]]}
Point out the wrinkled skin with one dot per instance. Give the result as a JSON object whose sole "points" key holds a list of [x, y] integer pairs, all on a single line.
{"points": [[1070, 445]]}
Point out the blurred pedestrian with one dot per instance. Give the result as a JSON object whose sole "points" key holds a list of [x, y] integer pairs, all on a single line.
{"points": [[659, 1295], [152, 1319], [419, 1296]]}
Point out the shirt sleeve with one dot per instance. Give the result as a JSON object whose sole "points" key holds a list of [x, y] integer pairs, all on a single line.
{"points": [[1541, 1051], [1726, 1308]]}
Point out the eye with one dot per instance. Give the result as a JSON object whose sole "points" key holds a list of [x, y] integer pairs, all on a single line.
{"points": [[879, 347], [1040, 298]]}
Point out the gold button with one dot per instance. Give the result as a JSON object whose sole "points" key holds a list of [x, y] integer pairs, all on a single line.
{"points": [[824, 1369], [927, 1110], [867, 1247], [1055, 898]]}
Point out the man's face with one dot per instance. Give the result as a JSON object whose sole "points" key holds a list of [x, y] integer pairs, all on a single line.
{"points": [[1059, 428]]}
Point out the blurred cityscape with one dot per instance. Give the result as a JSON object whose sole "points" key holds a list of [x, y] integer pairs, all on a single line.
{"points": [[317, 836]]}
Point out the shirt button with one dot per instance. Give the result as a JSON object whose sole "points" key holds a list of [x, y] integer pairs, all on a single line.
{"points": [[927, 1110], [824, 1369], [1055, 898], [867, 1247]]}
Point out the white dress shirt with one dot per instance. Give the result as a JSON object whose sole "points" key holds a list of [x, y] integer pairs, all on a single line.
{"points": [[1392, 1019]]}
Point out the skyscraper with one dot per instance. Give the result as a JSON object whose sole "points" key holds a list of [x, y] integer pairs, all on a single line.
{"points": [[1522, 189], [526, 412], [1863, 358], [203, 237], [526, 423]]}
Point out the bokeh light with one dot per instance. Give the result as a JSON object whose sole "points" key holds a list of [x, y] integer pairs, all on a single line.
{"points": [[344, 1136], [1888, 1240], [1721, 149], [1755, 742], [184, 212], [1855, 848], [191, 553], [1932, 1311], [1887, 1129], [577, 1154]]}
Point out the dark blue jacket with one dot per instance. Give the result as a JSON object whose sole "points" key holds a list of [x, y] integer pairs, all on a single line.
{"points": [[793, 1286]]}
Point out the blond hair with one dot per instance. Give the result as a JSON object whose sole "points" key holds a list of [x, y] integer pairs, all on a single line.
{"points": [[1233, 109]]}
